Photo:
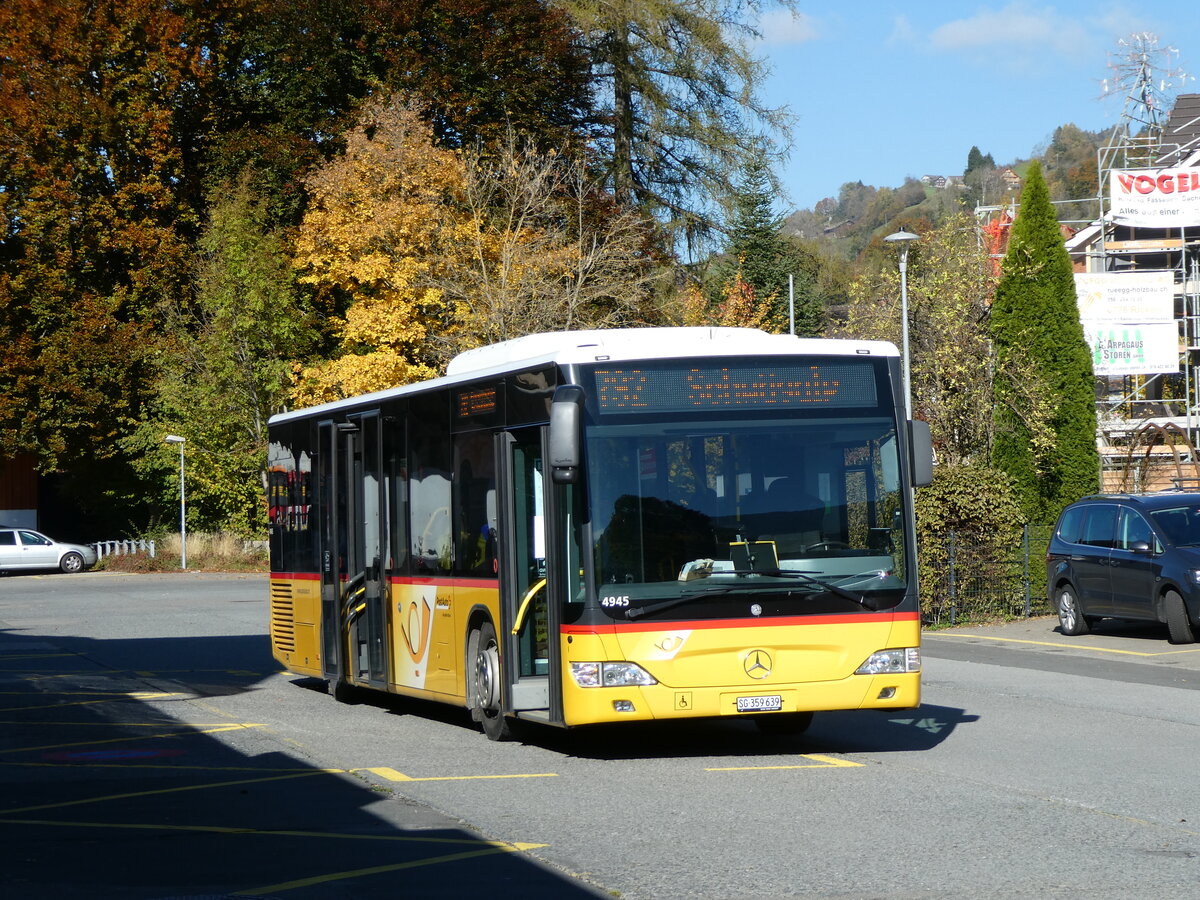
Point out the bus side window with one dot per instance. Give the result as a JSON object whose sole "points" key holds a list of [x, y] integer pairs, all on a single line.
{"points": [[429, 483], [475, 505]]}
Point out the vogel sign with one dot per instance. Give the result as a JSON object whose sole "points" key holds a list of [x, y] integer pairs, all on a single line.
{"points": [[1155, 198]]}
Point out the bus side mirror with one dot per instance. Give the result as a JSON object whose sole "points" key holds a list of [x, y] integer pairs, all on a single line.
{"points": [[920, 445], [566, 433]]}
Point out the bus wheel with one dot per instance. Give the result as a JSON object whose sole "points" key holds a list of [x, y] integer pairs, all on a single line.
{"points": [[342, 691], [485, 684], [784, 723]]}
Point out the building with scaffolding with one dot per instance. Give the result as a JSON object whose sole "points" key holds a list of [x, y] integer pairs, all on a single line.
{"points": [[1138, 275]]}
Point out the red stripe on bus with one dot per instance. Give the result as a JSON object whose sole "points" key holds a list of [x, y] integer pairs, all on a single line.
{"points": [[774, 621], [445, 582], [397, 579]]}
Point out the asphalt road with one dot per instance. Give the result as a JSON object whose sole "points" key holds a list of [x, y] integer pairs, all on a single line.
{"points": [[151, 749]]}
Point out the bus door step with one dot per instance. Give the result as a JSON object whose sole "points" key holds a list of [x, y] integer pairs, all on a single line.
{"points": [[531, 693]]}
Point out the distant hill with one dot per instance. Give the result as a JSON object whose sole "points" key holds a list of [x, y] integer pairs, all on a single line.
{"points": [[845, 225]]}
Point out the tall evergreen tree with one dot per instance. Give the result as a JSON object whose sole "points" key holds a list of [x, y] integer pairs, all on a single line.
{"points": [[762, 257], [1046, 426], [676, 101]]}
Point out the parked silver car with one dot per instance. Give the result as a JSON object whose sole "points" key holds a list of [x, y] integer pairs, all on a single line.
{"points": [[24, 548]]}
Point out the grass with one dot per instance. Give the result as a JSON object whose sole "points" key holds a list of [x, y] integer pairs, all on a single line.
{"points": [[205, 553]]}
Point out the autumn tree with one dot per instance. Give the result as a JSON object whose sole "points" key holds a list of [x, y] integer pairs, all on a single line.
{"points": [[93, 225], [549, 249], [676, 102], [950, 286], [444, 251], [291, 75], [227, 362], [737, 306], [951, 283], [1035, 318], [381, 216]]}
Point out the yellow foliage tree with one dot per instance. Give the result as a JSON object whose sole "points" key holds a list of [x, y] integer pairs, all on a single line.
{"points": [[441, 252], [739, 307], [382, 217]]}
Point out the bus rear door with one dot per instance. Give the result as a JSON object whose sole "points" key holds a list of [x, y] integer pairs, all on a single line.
{"points": [[353, 615]]}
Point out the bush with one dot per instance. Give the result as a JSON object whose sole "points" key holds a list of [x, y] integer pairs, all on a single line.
{"points": [[969, 523]]}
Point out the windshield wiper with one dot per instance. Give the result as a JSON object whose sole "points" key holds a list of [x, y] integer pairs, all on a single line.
{"points": [[636, 612], [860, 599]]}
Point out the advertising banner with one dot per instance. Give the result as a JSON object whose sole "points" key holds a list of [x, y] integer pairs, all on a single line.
{"points": [[1125, 296], [1121, 349], [1155, 198]]}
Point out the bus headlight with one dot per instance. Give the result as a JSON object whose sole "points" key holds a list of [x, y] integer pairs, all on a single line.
{"points": [[891, 662], [610, 674]]}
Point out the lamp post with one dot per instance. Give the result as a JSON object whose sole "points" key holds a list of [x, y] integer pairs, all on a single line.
{"points": [[902, 239], [176, 439]]}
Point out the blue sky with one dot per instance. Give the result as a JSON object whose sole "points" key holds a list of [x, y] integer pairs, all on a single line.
{"points": [[884, 90]]}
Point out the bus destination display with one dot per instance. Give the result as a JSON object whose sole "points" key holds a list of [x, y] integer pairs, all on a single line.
{"points": [[763, 386], [472, 402]]}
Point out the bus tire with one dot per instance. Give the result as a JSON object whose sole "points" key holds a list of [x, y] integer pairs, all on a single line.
{"points": [[1179, 628], [485, 684], [342, 691], [776, 724]]}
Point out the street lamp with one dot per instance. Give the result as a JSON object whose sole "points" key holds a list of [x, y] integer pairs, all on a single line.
{"points": [[902, 239], [176, 439]]}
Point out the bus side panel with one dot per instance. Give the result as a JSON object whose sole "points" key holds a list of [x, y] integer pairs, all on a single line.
{"points": [[294, 626], [702, 671], [414, 607], [467, 598], [429, 634]]}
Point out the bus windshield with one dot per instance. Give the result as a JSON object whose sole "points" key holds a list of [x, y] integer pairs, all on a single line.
{"points": [[799, 516]]}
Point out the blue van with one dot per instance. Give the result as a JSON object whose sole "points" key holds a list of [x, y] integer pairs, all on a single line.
{"points": [[1128, 556]]}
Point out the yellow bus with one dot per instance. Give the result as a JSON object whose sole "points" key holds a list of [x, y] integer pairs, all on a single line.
{"points": [[609, 526]]}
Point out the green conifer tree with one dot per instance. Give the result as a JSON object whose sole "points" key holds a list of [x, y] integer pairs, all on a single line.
{"points": [[762, 257], [1045, 435]]}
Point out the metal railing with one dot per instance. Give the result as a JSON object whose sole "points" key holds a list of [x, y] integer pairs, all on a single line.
{"points": [[124, 548], [973, 579]]}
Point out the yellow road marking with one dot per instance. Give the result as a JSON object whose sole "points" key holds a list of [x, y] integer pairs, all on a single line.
{"points": [[989, 637], [5, 657], [820, 762], [173, 790], [12, 709], [373, 870], [129, 738], [274, 832], [392, 775]]}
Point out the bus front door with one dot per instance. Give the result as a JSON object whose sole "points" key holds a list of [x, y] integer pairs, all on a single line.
{"points": [[353, 598], [530, 591]]}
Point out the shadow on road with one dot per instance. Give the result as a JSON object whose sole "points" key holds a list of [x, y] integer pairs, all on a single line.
{"points": [[106, 794]]}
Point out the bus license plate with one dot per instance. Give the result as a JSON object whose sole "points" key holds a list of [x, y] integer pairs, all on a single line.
{"points": [[771, 702]]}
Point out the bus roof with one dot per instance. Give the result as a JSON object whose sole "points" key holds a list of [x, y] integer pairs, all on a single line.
{"points": [[613, 344]]}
